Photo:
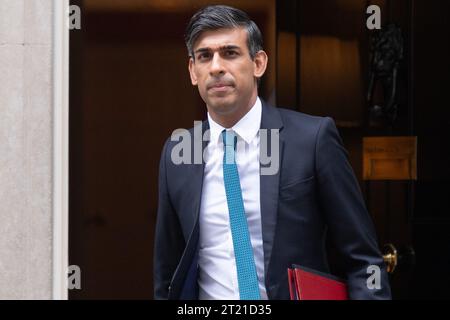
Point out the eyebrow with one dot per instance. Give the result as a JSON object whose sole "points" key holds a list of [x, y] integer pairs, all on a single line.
{"points": [[227, 47]]}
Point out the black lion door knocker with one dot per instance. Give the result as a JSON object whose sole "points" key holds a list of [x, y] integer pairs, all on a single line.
{"points": [[386, 53]]}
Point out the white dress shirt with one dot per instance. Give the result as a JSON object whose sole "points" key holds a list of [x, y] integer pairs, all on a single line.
{"points": [[217, 266]]}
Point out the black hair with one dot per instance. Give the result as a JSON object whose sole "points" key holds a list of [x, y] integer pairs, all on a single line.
{"points": [[218, 17]]}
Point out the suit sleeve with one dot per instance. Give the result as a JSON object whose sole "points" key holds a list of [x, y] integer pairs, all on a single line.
{"points": [[169, 241], [349, 224]]}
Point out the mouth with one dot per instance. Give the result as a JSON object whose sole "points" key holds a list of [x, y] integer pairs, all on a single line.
{"points": [[220, 86]]}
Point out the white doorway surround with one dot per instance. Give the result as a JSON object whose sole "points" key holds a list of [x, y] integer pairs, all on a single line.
{"points": [[60, 148]]}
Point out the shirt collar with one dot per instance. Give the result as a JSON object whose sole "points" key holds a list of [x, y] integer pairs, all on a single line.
{"points": [[247, 127]]}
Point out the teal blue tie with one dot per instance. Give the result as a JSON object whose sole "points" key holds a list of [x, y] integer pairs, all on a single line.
{"points": [[245, 263]]}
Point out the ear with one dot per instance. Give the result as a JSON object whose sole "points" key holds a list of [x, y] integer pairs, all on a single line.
{"points": [[260, 62], [192, 73]]}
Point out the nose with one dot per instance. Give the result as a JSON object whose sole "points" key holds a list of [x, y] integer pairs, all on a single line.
{"points": [[217, 67]]}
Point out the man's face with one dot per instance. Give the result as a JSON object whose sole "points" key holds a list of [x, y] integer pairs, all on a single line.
{"points": [[224, 71]]}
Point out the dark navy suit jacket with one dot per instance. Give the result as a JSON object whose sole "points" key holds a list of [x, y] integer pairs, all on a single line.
{"points": [[314, 194]]}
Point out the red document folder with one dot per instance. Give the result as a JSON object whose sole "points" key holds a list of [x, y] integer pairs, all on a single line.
{"points": [[308, 284]]}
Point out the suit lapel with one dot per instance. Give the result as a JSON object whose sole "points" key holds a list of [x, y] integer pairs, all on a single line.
{"points": [[198, 174], [269, 184]]}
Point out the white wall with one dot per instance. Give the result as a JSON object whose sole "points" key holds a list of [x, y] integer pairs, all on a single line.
{"points": [[26, 149]]}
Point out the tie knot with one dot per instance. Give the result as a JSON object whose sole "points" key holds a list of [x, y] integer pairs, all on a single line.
{"points": [[229, 139]]}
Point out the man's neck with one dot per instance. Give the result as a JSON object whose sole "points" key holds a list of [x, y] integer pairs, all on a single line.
{"points": [[229, 120]]}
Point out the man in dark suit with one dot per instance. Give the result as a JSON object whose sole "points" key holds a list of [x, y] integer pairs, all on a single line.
{"points": [[230, 225]]}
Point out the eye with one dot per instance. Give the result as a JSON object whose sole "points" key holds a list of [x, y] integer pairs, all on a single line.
{"points": [[231, 53], [203, 56]]}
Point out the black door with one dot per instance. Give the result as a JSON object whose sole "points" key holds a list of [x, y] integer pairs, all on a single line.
{"points": [[324, 61]]}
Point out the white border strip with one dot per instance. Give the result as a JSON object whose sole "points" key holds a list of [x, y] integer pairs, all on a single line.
{"points": [[60, 148]]}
